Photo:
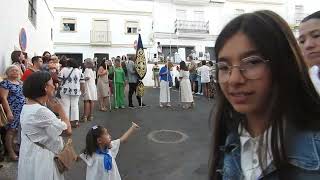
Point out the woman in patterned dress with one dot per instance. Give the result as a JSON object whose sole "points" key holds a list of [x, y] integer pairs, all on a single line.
{"points": [[12, 100]]}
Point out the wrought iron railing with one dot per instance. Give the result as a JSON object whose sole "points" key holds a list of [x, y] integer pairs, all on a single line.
{"points": [[100, 37], [185, 26]]}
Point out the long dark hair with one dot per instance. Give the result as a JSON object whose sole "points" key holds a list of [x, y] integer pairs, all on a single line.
{"points": [[183, 66], [91, 140], [293, 96], [103, 64], [15, 56]]}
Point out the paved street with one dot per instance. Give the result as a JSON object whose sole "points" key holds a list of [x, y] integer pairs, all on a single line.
{"points": [[146, 156]]}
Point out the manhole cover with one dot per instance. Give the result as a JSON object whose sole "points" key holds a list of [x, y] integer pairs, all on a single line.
{"points": [[167, 136]]}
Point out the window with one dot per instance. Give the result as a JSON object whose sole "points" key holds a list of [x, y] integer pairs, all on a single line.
{"points": [[69, 24], [32, 13], [238, 12], [299, 14], [181, 14], [132, 27], [198, 15]]}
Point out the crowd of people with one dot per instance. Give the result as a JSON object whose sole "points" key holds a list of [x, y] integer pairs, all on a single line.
{"points": [[265, 122]]}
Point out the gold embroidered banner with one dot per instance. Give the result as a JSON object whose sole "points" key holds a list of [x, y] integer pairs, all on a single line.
{"points": [[140, 89]]}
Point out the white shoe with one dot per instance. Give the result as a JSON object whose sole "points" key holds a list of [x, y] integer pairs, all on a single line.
{"points": [[161, 105], [168, 105]]}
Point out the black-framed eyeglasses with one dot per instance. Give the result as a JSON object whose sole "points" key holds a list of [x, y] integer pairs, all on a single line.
{"points": [[252, 67]]}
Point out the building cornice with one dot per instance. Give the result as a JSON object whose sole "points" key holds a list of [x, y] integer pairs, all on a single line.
{"points": [[191, 2], [185, 36], [102, 11], [97, 45], [272, 2]]}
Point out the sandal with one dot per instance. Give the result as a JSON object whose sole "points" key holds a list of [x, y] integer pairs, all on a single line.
{"points": [[75, 124], [84, 119]]}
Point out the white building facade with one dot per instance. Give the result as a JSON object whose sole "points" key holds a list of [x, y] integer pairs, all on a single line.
{"points": [[185, 26], [36, 18], [182, 27], [88, 29]]}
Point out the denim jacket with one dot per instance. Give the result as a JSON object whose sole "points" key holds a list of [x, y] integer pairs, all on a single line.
{"points": [[303, 152]]}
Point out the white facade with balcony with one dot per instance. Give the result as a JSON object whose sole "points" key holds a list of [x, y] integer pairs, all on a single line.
{"points": [[36, 17], [186, 25], [87, 29]]}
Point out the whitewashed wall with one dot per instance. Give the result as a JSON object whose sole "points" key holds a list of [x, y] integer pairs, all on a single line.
{"points": [[14, 16], [116, 12]]}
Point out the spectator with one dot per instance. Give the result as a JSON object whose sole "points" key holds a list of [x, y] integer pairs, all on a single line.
{"points": [[309, 40], [41, 128], [185, 86], [103, 87], [267, 112], [204, 72], [12, 100], [155, 75], [36, 66], [165, 79], [90, 90], [71, 90], [17, 57]]}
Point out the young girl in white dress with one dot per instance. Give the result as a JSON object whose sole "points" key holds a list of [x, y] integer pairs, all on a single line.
{"points": [[90, 90], [100, 153]]}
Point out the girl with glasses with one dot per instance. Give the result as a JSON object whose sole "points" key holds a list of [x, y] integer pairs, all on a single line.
{"points": [[265, 122]]}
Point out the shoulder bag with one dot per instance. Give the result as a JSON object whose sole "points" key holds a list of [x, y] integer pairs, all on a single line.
{"points": [[64, 159], [58, 93]]}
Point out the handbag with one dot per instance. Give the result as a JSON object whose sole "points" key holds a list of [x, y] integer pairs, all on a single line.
{"points": [[3, 117], [64, 159], [64, 80]]}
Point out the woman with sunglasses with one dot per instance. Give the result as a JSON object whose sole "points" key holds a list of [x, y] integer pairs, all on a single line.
{"points": [[266, 116]]}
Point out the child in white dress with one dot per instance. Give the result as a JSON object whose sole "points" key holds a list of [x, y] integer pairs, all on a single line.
{"points": [[100, 153], [90, 90]]}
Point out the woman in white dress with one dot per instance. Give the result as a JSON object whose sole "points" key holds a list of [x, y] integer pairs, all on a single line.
{"points": [[39, 125], [90, 90], [185, 86]]}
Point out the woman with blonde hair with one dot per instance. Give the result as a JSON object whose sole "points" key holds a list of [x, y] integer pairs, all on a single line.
{"points": [[12, 101]]}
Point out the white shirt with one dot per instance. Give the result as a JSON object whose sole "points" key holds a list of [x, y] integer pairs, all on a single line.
{"points": [[314, 76], [95, 164], [72, 84], [250, 165], [40, 125], [204, 72]]}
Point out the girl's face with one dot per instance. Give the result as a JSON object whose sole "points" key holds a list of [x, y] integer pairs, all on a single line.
{"points": [[14, 73], [251, 95], [309, 40], [105, 139]]}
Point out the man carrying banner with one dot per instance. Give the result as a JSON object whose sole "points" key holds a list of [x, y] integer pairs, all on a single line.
{"points": [[133, 82], [141, 70]]}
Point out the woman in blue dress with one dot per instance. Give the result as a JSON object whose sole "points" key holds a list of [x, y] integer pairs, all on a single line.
{"points": [[12, 100]]}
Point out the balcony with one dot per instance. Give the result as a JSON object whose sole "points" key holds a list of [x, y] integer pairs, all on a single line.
{"points": [[198, 27], [191, 2], [100, 38]]}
